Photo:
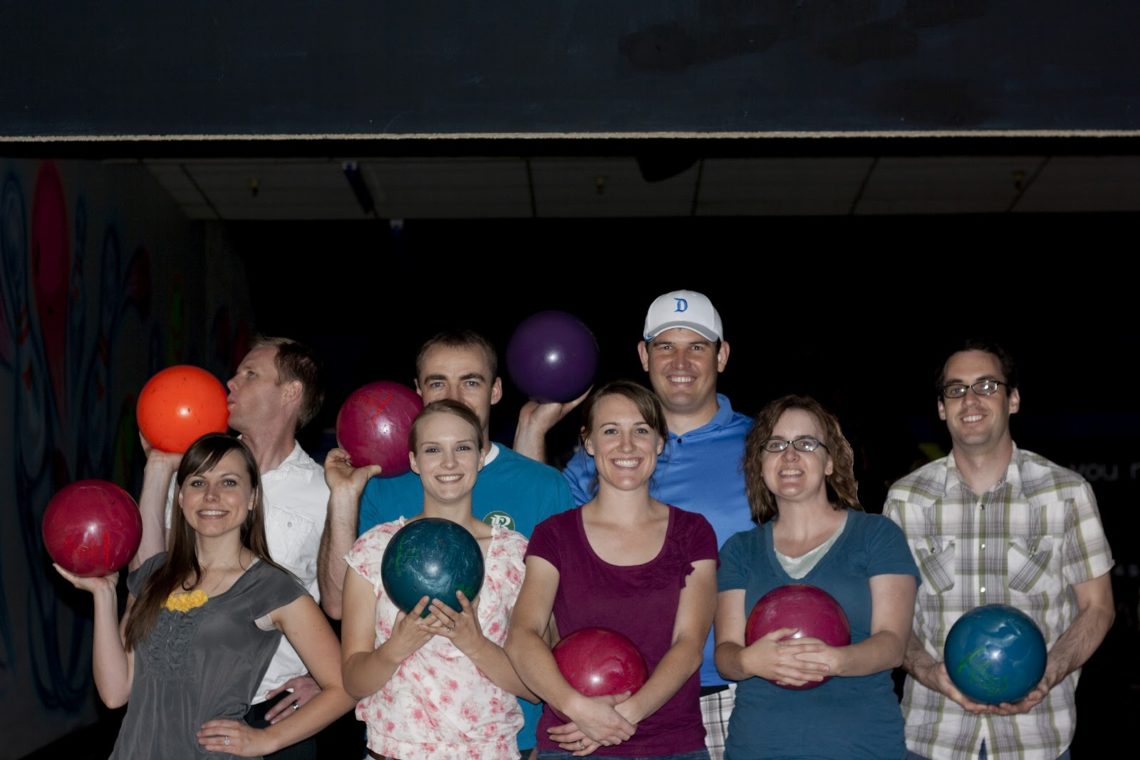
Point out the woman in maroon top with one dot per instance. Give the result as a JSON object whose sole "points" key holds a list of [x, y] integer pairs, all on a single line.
{"points": [[627, 562]]}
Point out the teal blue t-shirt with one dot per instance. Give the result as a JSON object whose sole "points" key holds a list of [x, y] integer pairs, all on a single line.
{"points": [[845, 718]]}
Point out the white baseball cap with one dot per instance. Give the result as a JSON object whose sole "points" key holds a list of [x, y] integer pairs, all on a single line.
{"points": [[683, 308]]}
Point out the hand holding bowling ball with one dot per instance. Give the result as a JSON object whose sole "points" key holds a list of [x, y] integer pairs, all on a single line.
{"points": [[374, 423], [995, 654], [179, 405], [431, 557], [810, 611], [92, 528]]}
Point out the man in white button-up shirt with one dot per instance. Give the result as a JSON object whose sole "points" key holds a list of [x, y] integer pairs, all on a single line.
{"points": [[274, 393]]}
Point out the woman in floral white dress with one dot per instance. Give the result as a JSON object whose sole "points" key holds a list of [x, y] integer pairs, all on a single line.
{"points": [[439, 686]]}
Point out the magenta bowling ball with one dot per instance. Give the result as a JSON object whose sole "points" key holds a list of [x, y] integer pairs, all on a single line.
{"points": [[812, 611], [598, 662], [552, 356], [374, 423], [92, 528]]}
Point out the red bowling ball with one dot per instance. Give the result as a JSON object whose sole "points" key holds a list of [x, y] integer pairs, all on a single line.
{"points": [[813, 612], [598, 662], [92, 528], [179, 405], [374, 423]]}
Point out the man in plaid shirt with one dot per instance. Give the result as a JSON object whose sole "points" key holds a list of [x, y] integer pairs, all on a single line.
{"points": [[994, 524]]}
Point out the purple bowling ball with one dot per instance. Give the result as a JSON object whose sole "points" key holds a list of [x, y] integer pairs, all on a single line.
{"points": [[552, 357]]}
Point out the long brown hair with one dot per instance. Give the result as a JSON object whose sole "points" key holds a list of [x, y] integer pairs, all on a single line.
{"points": [[842, 488], [181, 571]]}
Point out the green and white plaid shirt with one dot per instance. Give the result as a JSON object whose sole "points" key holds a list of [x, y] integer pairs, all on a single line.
{"points": [[1024, 543]]}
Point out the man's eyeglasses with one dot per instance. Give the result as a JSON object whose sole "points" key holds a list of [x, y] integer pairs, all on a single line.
{"points": [[981, 388], [804, 443]]}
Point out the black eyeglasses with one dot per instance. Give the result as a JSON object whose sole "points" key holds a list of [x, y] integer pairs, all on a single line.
{"points": [[981, 388], [804, 443]]}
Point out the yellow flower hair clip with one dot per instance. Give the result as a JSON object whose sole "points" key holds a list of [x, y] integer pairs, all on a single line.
{"points": [[184, 601]]}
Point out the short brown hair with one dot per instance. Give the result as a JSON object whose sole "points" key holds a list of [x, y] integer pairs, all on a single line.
{"points": [[295, 361], [842, 488], [459, 339], [646, 401]]}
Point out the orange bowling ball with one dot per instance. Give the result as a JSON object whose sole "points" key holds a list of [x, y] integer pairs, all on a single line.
{"points": [[179, 405]]}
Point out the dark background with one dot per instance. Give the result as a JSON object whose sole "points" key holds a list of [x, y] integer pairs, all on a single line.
{"points": [[302, 67]]}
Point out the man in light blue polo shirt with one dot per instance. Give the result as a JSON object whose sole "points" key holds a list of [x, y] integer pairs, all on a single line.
{"points": [[684, 351]]}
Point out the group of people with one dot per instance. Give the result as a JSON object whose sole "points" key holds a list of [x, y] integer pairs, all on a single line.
{"points": [[674, 513]]}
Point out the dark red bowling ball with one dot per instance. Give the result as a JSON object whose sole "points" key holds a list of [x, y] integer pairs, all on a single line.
{"points": [[374, 423], [552, 356], [92, 528], [813, 612], [598, 662]]}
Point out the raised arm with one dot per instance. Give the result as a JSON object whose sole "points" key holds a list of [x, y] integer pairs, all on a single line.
{"points": [[160, 469], [594, 717], [113, 666], [307, 630], [536, 420], [346, 485]]}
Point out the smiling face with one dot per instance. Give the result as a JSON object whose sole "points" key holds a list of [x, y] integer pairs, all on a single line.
{"points": [[978, 424], [683, 368], [218, 500], [624, 445], [793, 475], [446, 456]]}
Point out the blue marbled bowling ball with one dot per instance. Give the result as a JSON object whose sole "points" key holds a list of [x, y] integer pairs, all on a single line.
{"points": [[995, 654], [431, 557]]}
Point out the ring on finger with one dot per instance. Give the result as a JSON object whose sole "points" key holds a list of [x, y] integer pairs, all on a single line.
{"points": [[226, 741]]}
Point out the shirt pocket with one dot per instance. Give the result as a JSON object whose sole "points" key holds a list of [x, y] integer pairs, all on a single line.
{"points": [[936, 558], [1029, 562], [1033, 549]]}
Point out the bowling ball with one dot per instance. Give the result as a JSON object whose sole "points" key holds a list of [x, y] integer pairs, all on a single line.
{"points": [[995, 654], [434, 558], [598, 662], [92, 528], [812, 611], [552, 356], [179, 405], [373, 426]]}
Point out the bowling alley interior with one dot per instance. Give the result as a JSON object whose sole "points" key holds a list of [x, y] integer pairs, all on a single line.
{"points": [[848, 240]]}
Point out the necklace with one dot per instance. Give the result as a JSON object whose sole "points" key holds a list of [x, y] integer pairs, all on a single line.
{"points": [[184, 601]]}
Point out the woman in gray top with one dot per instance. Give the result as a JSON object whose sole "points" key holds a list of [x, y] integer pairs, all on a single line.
{"points": [[204, 619]]}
